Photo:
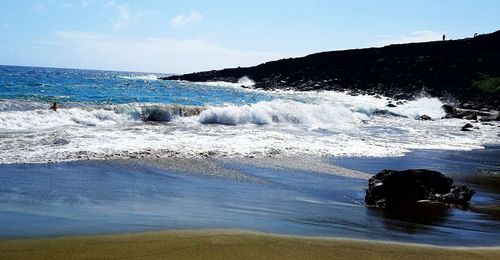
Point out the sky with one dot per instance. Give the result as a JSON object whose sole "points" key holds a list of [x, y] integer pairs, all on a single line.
{"points": [[193, 35]]}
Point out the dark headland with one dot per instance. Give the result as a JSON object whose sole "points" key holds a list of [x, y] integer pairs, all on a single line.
{"points": [[466, 71]]}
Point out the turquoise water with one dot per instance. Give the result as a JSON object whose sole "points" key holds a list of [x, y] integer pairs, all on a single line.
{"points": [[111, 87]]}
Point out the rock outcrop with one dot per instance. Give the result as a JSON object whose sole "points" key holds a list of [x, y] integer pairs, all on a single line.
{"points": [[424, 118], [467, 70], [392, 188], [467, 127]]}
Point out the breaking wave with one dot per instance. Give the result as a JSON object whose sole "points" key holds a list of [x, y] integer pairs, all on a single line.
{"points": [[243, 81], [109, 115], [322, 115], [156, 112], [246, 81], [282, 111], [94, 116], [411, 109], [346, 126]]}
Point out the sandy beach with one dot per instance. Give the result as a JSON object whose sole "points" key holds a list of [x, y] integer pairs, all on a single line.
{"points": [[226, 244]]}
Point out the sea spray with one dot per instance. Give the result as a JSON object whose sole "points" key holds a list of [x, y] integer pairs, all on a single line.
{"points": [[105, 115], [157, 112], [282, 112], [246, 81]]}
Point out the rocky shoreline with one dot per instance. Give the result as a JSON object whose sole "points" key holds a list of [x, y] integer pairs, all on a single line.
{"points": [[464, 73]]}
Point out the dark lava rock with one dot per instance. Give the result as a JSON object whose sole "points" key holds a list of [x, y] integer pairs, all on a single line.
{"points": [[460, 195], [471, 116], [461, 69], [424, 117], [392, 188], [467, 127], [448, 109], [490, 118], [467, 105], [391, 105]]}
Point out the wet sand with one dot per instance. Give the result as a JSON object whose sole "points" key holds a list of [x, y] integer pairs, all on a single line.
{"points": [[315, 197], [226, 244]]}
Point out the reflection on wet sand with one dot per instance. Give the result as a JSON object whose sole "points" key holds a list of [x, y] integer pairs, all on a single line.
{"points": [[286, 196], [417, 218]]}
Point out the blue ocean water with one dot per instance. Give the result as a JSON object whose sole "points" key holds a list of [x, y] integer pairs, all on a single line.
{"points": [[108, 114], [112, 87]]}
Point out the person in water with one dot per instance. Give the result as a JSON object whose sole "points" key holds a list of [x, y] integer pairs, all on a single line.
{"points": [[54, 106]]}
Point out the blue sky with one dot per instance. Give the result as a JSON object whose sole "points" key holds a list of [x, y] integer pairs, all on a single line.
{"points": [[192, 35]]}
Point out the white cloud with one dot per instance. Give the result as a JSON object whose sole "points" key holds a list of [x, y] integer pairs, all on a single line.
{"points": [[125, 17], [93, 50], [418, 36], [184, 19]]}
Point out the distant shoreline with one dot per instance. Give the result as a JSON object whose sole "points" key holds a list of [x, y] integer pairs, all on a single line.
{"points": [[235, 244]]}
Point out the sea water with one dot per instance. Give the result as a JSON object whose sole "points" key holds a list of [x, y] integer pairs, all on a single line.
{"points": [[107, 115], [263, 170]]}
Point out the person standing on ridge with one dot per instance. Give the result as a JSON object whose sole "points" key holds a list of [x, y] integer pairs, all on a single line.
{"points": [[444, 37]]}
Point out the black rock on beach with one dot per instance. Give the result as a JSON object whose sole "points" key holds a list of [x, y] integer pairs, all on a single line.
{"points": [[403, 188]]}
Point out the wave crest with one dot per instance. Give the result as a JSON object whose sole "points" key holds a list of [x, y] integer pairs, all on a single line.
{"points": [[157, 112], [94, 116], [281, 111]]}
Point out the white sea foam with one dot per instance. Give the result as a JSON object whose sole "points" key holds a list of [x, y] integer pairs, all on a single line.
{"points": [[284, 112], [20, 105], [366, 104], [246, 81], [45, 119], [141, 77], [293, 124], [243, 81], [93, 116]]}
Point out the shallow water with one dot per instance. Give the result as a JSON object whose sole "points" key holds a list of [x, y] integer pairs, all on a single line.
{"points": [[95, 197]]}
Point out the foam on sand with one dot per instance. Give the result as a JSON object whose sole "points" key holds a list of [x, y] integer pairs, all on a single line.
{"points": [[310, 164]]}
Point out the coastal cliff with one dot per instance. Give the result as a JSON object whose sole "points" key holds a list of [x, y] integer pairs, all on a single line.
{"points": [[466, 71]]}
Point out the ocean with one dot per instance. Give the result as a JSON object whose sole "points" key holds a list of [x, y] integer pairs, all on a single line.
{"points": [[126, 152], [109, 115]]}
